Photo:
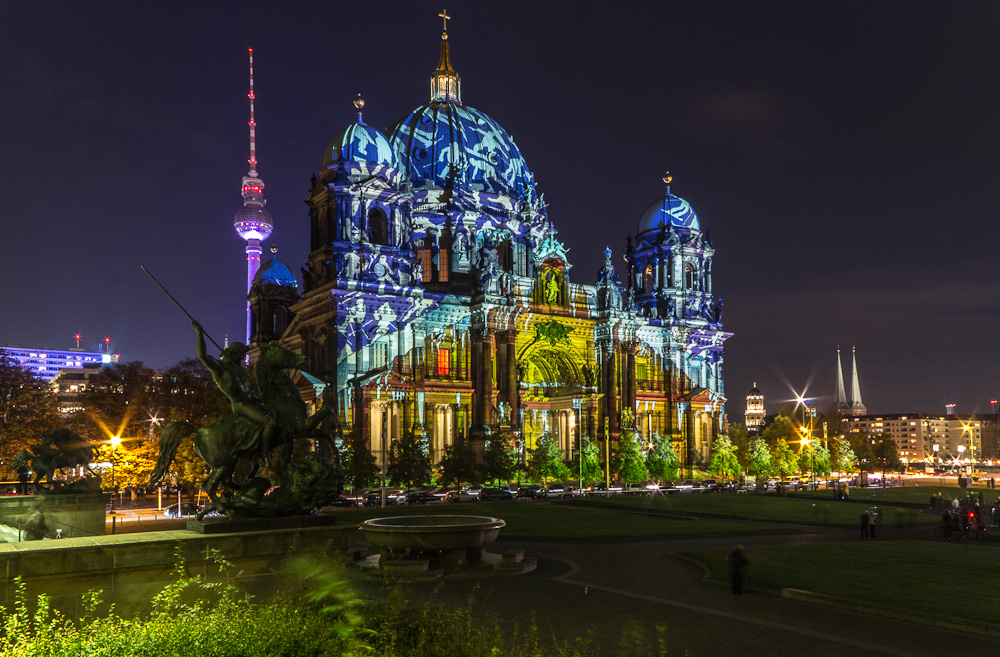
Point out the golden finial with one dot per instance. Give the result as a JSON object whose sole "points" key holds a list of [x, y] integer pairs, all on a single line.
{"points": [[274, 250], [444, 21], [667, 178], [359, 102]]}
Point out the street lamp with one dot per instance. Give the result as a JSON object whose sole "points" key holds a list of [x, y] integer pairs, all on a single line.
{"points": [[115, 442], [966, 428], [812, 459]]}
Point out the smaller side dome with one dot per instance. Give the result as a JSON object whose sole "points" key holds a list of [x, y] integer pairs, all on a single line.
{"points": [[669, 210], [361, 143], [275, 272]]}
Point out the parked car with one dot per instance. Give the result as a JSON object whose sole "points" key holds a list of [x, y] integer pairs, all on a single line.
{"points": [[459, 496], [635, 489], [187, 510], [603, 489], [420, 497], [341, 501], [495, 495], [392, 496], [528, 492]]}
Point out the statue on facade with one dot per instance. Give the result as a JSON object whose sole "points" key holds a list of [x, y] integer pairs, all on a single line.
{"points": [[268, 416], [59, 449], [627, 418]]}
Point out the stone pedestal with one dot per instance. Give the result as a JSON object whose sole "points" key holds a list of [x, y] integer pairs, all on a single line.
{"points": [[75, 514]]}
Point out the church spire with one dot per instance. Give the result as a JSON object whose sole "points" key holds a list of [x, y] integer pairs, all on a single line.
{"points": [[857, 407], [840, 401], [446, 86]]}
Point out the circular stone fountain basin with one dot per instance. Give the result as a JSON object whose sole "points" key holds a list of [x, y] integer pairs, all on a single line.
{"points": [[425, 533]]}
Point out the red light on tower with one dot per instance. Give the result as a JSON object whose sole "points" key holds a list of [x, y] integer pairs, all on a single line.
{"points": [[993, 401]]}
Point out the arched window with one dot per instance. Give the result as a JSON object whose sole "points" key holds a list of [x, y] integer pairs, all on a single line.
{"points": [[690, 276], [378, 227], [647, 279]]}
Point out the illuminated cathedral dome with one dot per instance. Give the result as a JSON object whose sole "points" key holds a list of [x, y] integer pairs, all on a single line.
{"points": [[667, 211], [444, 140], [361, 143], [275, 272]]}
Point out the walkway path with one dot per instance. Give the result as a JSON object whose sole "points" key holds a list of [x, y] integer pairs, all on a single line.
{"points": [[599, 589]]}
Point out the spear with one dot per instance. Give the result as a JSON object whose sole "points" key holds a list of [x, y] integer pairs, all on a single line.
{"points": [[178, 304]]}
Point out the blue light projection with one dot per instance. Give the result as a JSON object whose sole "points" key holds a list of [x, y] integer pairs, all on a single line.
{"points": [[441, 144], [668, 210]]}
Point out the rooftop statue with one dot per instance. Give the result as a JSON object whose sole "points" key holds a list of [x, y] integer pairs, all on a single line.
{"points": [[59, 449], [268, 416]]}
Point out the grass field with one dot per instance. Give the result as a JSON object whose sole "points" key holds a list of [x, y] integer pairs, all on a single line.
{"points": [[768, 508], [540, 521], [951, 579], [905, 494]]}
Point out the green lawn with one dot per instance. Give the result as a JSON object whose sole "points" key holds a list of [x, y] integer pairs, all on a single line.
{"points": [[907, 494], [768, 508], [951, 579], [540, 521]]}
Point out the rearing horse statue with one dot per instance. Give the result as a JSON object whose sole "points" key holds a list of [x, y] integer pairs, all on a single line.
{"points": [[230, 438]]}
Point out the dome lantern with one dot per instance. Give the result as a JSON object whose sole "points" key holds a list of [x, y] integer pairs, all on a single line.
{"points": [[446, 86]]}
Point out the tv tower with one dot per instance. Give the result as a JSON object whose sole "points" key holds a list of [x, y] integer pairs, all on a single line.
{"points": [[253, 221]]}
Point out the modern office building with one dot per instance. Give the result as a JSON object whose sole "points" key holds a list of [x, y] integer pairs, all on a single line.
{"points": [[47, 363]]}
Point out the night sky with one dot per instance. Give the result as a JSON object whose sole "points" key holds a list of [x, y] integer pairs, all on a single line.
{"points": [[844, 156]]}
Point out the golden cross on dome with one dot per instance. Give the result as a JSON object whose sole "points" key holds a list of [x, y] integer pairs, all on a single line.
{"points": [[668, 178], [444, 21]]}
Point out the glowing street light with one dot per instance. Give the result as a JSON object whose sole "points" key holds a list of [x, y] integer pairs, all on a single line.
{"points": [[115, 441]]}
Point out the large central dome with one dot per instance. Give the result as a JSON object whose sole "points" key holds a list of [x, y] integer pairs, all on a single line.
{"points": [[446, 142]]}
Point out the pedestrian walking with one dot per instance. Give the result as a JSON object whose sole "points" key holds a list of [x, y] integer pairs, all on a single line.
{"points": [[738, 564], [865, 519], [871, 522]]}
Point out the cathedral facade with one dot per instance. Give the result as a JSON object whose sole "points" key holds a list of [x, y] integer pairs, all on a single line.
{"points": [[437, 298]]}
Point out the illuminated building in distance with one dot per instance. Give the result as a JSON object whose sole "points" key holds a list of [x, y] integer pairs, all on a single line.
{"points": [[755, 413], [252, 221], [440, 304], [47, 363]]}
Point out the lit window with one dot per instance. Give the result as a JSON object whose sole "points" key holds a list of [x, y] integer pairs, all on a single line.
{"points": [[444, 362]]}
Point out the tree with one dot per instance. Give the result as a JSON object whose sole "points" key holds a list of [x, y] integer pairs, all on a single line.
{"points": [[842, 457], [885, 454], [28, 408], [783, 460], [628, 461], [760, 458], [740, 438], [358, 461], [409, 463], [121, 400], [724, 462], [545, 460], [815, 458], [662, 461], [459, 464], [499, 460], [780, 431], [592, 470], [861, 445]]}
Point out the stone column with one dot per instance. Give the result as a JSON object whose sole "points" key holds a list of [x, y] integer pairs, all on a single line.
{"points": [[513, 393], [611, 386]]}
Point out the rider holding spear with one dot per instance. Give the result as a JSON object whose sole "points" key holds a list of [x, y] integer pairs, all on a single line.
{"points": [[229, 375]]}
